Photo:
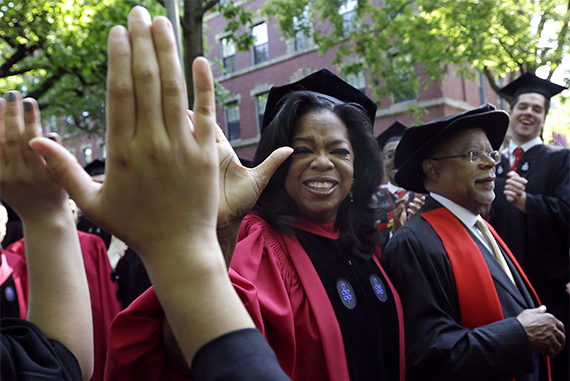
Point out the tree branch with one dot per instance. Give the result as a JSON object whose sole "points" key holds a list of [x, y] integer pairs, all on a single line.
{"points": [[491, 78], [209, 5], [46, 84], [21, 53]]}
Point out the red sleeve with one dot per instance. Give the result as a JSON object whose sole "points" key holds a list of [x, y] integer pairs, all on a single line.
{"points": [[103, 292], [15, 265], [136, 348]]}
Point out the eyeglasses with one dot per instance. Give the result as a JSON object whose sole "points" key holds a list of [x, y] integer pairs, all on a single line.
{"points": [[476, 157]]}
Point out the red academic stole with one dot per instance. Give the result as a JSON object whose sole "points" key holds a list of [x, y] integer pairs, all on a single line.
{"points": [[475, 286]]}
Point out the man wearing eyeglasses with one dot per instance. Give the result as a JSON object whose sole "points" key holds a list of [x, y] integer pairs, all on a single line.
{"points": [[470, 312], [531, 210]]}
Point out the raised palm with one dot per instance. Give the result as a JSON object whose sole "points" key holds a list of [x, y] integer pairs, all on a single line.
{"points": [[240, 187]]}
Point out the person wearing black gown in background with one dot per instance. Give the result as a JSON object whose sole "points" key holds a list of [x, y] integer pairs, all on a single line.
{"points": [[531, 208]]}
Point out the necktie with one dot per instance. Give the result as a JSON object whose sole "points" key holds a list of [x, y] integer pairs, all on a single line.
{"points": [[482, 226], [518, 155]]}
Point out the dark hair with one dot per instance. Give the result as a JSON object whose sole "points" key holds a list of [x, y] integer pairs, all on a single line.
{"points": [[356, 218], [515, 100]]}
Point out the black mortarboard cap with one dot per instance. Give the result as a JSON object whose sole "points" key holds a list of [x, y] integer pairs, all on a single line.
{"points": [[393, 132], [418, 142], [96, 167], [530, 83], [322, 82]]}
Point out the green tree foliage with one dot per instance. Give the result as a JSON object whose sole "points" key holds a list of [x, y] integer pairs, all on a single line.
{"points": [[557, 121], [56, 52], [421, 41], [191, 21]]}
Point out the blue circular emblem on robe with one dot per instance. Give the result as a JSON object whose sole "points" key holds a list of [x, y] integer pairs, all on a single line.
{"points": [[378, 288], [10, 294], [346, 293]]}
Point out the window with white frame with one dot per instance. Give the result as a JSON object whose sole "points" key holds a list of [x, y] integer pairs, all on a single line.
{"points": [[103, 150], [357, 80], [348, 12], [303, 38], [260, 43], [260, 103], [404, 93], [228, 47], [232, 121], [87, 155], [405, 90]]}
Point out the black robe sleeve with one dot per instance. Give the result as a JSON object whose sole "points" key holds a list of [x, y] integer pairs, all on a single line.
{"points": [[28, 355], [238, 355]]}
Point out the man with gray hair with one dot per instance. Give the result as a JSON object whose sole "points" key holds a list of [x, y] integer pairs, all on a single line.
{"points": [[470, 312]]}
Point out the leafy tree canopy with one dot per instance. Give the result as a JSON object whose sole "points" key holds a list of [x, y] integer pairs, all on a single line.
{"points": [[56, 52], [391, 37]]}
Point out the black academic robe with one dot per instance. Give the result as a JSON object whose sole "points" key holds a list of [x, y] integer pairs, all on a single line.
{"points": [[238, 355], [438, 346], [540, 238], [27, 354]]}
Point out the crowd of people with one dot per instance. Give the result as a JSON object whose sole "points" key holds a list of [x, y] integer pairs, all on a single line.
{"points": [[302, 267]]}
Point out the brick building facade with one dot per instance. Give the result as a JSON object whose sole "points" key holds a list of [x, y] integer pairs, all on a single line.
{"points": [[275, 61]]}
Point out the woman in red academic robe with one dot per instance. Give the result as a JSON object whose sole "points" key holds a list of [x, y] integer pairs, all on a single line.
{"points": [[306, 264]]}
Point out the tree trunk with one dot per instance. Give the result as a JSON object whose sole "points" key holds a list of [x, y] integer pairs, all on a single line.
{"points": [[192, 41]]}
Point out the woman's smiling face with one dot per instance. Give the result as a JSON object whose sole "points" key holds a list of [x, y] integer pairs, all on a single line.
{"points": [[322, 165]]}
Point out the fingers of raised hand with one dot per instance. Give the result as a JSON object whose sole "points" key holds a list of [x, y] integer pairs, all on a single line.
{"points": [[121, 117], [146, 101], [11, 127], [204, 102], [516, 183], [20, 122], [146, 75], [171, 79], [267, 168], [514, 188], [27, 184]]}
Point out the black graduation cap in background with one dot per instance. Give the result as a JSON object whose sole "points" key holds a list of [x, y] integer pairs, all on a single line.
{"points": [[530, 83], [96, 167], [323, 82], [394, 131]]}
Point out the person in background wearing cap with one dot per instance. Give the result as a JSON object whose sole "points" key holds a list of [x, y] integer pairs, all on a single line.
{"points": [[532, 209], [396, 204], [470, 312], [305, 264]]}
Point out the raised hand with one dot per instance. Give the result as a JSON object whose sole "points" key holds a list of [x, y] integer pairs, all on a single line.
{"points": [[26, 183], [515, 190], [58, 293], [240, 188], [416, 204], [161, 193], [400, 216], [159, 167]]}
